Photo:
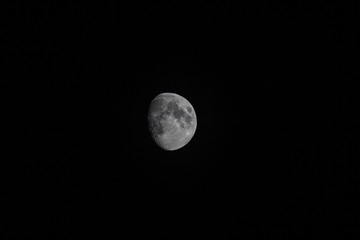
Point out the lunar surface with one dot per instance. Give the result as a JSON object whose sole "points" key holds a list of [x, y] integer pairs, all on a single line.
{"points": [[172, 121]]}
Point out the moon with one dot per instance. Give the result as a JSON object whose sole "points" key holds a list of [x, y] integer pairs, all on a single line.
{"points": [[172, 121]]}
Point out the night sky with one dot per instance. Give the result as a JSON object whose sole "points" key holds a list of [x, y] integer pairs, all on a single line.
{"points": [[273, 86]]}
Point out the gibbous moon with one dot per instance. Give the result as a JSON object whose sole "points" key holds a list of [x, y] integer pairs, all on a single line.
{"points": [[172, 121]]}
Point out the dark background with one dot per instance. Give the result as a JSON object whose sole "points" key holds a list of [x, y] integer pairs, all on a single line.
{"points": [[273, 86]]}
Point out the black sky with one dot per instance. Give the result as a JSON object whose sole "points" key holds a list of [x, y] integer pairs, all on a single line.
{"points": [[273, 86]]}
